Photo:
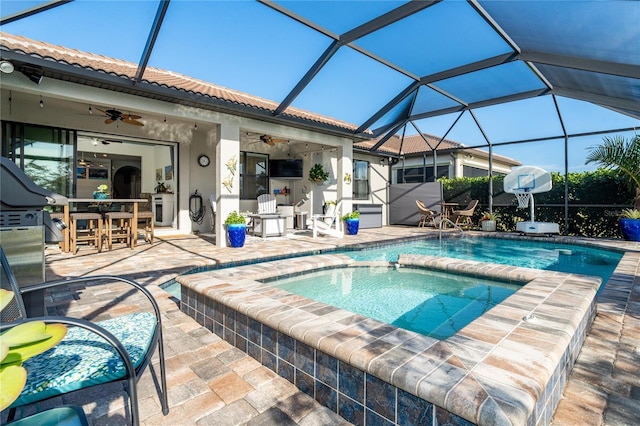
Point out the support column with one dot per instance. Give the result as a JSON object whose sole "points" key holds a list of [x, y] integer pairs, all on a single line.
{"points": [[345, 166], [227, 179]]}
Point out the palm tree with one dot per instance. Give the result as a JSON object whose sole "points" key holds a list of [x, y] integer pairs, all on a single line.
{"points": [[620, 154]]}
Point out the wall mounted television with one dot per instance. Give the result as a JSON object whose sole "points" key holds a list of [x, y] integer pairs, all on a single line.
{"points": [[285, 169]]}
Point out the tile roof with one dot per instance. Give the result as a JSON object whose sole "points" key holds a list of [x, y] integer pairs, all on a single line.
{"points": [[412, 144], [153, 76]]}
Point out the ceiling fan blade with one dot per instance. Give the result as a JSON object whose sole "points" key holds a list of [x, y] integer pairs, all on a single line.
{"points": [[270, 142], [109, 121], [280, 140], [132, 121], [103, 111], [133, 117]]}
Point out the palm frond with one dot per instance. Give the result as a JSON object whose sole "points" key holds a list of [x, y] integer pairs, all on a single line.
{"points": [[618, 153]]}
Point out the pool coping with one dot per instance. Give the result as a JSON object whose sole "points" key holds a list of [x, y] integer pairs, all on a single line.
{"points": [[500, 368]]}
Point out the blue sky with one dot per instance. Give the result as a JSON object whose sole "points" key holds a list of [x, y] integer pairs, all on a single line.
{"points": [[249, 47]]}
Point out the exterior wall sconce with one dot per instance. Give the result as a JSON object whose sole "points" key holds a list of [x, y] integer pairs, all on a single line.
{"points": [[6, 67]]}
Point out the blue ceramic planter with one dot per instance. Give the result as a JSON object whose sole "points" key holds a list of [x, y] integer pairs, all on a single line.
{"points": [[630, 229], [352, 226], [237, 234], [99, 195]]}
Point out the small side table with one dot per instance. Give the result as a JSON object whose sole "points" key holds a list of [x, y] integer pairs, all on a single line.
{"points": [[301, 220]]}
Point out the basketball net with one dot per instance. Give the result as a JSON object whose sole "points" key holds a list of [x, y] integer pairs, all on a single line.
{"points": [[523, 199]]}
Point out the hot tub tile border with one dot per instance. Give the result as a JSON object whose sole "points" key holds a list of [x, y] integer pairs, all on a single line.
{"points": [[223, 298]]}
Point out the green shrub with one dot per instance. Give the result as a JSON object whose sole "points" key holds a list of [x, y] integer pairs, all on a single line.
{"points": [[353, 215], [596, 200], [235, 218]]}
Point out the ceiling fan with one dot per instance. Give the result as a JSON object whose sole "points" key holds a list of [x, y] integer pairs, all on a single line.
{"points": [[272, 141], [114, 115]]}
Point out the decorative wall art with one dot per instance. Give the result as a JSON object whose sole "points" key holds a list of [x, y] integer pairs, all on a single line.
{"points": [[232, 164], [228, 182], [168, 172], [158, 174]]}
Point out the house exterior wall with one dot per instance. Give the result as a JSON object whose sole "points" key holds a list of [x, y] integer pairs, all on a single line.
{"points": [[66, 105], [455, 162]]}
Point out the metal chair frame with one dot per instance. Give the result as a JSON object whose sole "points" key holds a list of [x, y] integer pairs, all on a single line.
{"points": [[133, 374]]}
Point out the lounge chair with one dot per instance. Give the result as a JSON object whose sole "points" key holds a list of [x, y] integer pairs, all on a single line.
{"points": [[426, 215], [91, 354], [463, 217], [327, 224]]}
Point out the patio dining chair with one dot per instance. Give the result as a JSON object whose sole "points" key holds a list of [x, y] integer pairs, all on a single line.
{"points": [[463, 217], [426, 215], [91, 354]]}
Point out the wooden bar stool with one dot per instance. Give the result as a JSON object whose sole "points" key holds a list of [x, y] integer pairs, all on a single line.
{"points": [[92, 233], [149, 224], [119, 228]]}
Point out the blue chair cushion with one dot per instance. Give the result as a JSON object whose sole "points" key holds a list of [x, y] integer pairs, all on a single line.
{"points": [[59, 416], [84, 359]]}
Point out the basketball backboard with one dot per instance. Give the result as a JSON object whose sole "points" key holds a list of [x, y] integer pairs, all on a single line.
{"points": [[530, 179]]}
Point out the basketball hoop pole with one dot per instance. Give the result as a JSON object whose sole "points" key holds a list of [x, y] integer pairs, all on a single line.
{"points": [[531, 209]]}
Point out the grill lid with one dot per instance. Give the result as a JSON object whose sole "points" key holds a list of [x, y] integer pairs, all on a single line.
{"points": [[19, 192]]}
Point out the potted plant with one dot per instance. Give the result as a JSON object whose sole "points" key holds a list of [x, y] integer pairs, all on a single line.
{"points": [[352, 221], [623, 155], [488, 221], [236, 226], [102, 192], [160, 188], [630, 224], [318, 174]]}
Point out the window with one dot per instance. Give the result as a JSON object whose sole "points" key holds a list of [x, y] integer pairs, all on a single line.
{"points": [[254, 175], [416, 174], [44, 153], [471, 172], [360, 180]]}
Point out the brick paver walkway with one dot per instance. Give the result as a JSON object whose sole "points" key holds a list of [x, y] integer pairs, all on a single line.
{"points": [[211, 382]]}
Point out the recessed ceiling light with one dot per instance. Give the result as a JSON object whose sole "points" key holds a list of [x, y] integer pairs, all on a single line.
{"points": [[6, 67]]}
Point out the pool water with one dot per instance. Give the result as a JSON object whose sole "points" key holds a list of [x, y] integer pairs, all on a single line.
{"points": [[432, 303], [526, 254]]}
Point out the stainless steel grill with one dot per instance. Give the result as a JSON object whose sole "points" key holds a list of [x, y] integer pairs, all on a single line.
{"points": [[25, 228]]}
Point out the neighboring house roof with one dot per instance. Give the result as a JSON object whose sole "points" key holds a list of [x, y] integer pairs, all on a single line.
{"points": [[49, 53], [415, 146]]}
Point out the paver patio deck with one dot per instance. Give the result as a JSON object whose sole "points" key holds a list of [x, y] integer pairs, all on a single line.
{"points": [[211, 382]]}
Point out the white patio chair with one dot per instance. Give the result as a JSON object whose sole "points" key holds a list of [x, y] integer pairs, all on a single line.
{"points": [[212, 201], [327, 224], [267, 204]]}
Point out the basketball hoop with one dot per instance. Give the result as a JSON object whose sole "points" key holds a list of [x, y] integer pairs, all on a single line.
{"points": [[523, 199]]}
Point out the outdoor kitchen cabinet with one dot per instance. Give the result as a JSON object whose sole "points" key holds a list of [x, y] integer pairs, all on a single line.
{"points": [[370, 215]]}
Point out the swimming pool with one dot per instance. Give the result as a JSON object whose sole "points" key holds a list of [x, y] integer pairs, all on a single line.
{"points": [[432, 303], [527, 254], [569, 258]]}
